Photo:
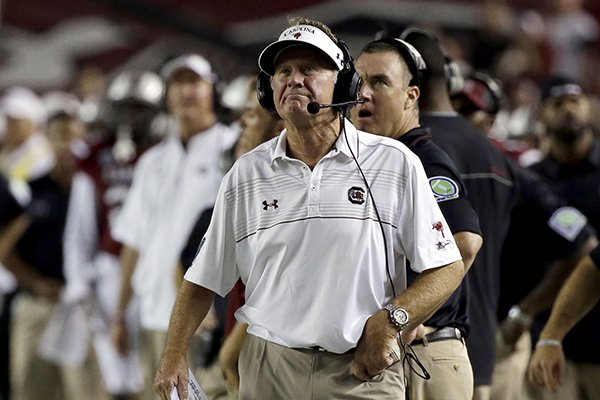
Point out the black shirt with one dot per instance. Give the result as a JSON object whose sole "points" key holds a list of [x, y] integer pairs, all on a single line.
{"points": [[42, 243], [492, 189], [9, 206], [579, 185], [449, 191], [543, 228], [595, 256]]}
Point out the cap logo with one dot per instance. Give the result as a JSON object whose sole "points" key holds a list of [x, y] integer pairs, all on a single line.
{"points": [[296, 31]]}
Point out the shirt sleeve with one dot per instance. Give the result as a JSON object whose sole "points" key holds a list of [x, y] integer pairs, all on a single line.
{"points": [[563, 228], [423, 230], [450, 193], [214, 266]]}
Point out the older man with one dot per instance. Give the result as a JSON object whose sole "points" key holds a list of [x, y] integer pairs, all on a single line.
{"points": [[319, 224]]}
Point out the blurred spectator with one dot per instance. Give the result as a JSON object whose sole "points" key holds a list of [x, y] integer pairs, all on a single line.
{"points": [[26, 153], [99, 190], [173, 184], [571, 32], [36, 260]]}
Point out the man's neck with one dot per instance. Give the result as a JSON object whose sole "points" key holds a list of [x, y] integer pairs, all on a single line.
{"points": [[408, 125], [572, 153], [309, 144], [190, 128]]}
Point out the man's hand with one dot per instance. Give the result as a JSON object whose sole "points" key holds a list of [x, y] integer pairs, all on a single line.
{"points": [[172, 372], [511, 331], [547, 367], [374, 351]]}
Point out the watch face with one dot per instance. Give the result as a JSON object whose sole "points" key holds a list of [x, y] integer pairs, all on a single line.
{"points": [[401, 316]]}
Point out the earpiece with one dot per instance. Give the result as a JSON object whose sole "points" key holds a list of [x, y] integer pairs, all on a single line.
{"points": [[454, 78]]}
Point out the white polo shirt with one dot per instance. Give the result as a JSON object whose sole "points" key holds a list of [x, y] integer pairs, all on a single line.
{"points": [[308, 244], [171, 188]]}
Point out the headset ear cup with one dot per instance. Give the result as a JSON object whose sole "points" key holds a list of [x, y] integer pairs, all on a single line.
{"points": [[264, 93], [454, 77], [347, 86]]}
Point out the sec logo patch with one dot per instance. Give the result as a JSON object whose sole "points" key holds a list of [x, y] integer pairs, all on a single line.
{"points": [[443, 188]]}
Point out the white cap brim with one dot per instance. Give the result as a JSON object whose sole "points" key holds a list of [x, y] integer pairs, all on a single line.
{"points": [[193, 62], [300, 35]]}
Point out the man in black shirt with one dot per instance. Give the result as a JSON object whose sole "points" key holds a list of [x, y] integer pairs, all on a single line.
{"points": [[13, 196], [573, 167], [390, 70], [491, 185], [495, 186], [36, 260]]}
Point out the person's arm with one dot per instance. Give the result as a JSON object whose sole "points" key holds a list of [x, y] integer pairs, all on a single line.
{"points": [[229, 354], [469, 244], [578, 296], [426, 294], [11, 233], [129, 257], [30, 279], [543, 294], [191, 306]]}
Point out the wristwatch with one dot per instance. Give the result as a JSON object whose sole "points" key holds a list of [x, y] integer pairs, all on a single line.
{"points": [[398, 316], [516, 314]]}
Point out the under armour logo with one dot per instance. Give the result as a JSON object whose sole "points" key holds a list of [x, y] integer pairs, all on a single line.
{"points": [[273, 204], [438, 226], [297, 35]]}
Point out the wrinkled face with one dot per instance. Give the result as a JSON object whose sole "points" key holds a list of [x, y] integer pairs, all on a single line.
{"points": [[301, 76], [385, 92], [567, 116], [189, 94]]}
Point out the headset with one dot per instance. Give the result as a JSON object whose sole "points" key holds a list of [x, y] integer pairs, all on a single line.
{"points": [[455, 80], [495, 90], [451, 69], [347, 85], [410, 55]]}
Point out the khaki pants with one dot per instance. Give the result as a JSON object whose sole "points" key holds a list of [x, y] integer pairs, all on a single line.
{"points": [[510, 368], [447, 361], [270, 371], [34, 378], [153, 344]]}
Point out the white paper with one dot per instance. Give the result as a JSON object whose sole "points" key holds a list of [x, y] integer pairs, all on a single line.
{"points": [[195, 391], [65, 339]]}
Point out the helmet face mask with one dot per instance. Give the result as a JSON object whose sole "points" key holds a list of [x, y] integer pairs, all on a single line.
{"points": [[134, 98]]}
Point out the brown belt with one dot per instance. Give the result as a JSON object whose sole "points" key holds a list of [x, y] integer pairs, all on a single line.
{"points": [[446, 333]]}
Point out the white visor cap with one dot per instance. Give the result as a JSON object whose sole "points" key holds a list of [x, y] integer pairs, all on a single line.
{"points": [[193, 62], [300, 35]]}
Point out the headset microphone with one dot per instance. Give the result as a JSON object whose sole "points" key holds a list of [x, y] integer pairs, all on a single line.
{"points": [[313, 107]]}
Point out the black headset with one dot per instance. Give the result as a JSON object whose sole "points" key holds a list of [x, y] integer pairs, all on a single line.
{"points": [[452, 72], [347, 85], [412, 58]]}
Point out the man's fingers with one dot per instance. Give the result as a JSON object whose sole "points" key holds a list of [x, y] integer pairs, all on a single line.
{"points": [[358, 371], [182, 389]]}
